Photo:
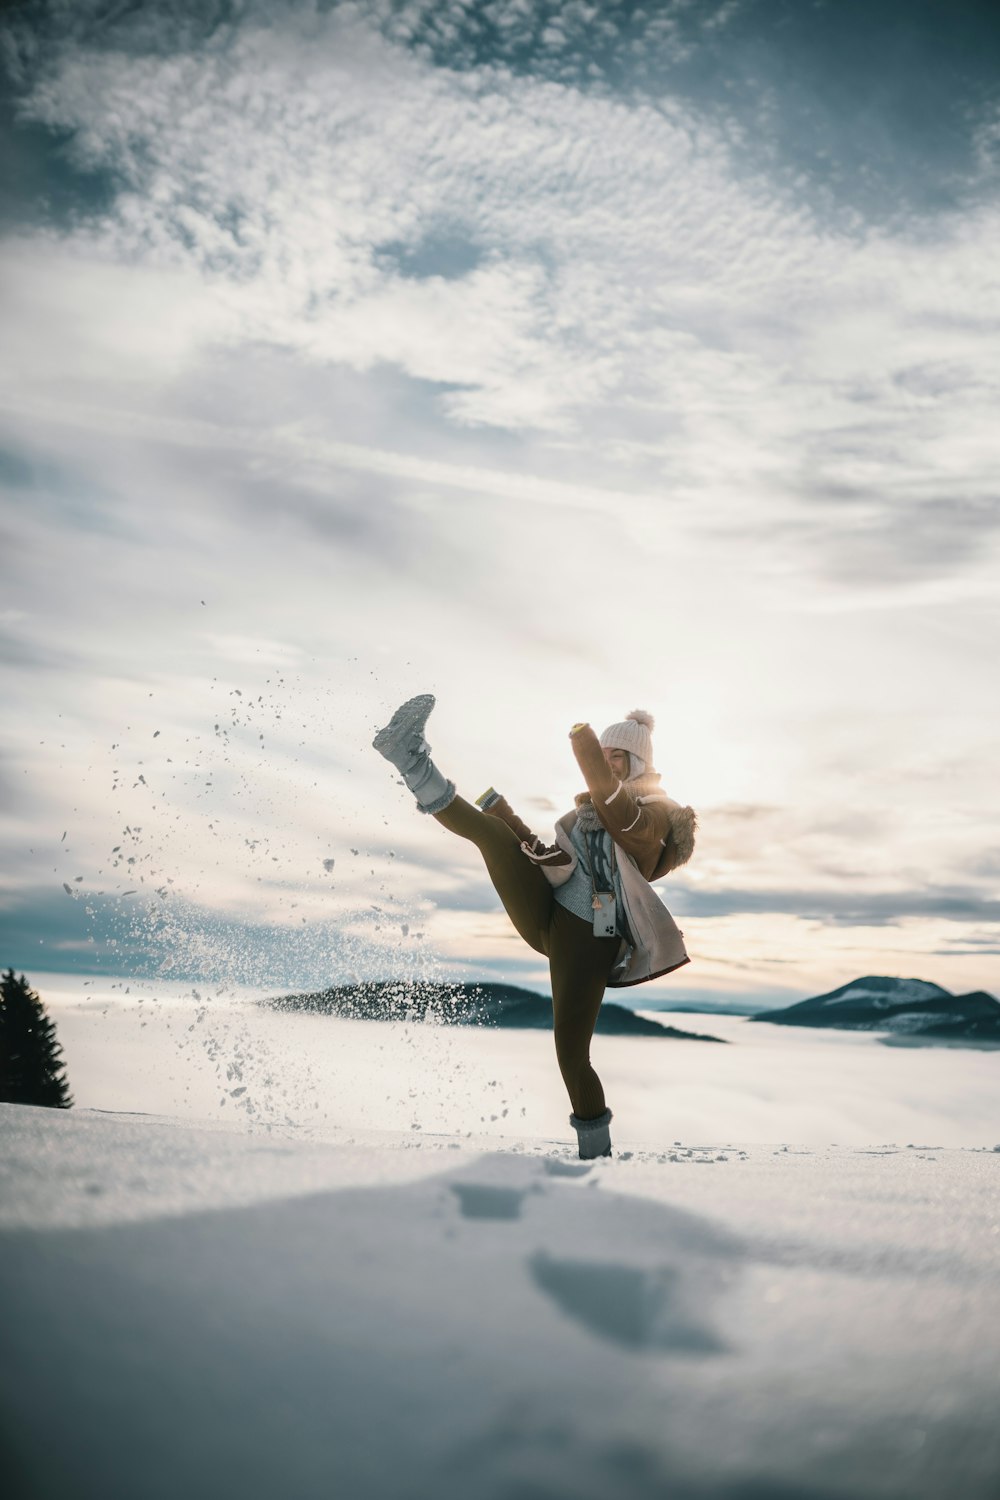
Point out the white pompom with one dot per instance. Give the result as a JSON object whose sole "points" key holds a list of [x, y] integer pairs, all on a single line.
{"points": [[642, 717]]}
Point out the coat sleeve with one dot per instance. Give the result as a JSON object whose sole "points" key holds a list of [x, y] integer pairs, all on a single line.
{"points": [[637, 828]]}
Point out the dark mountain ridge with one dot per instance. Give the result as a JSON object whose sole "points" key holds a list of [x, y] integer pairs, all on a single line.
{"points": [[484, 1004]]}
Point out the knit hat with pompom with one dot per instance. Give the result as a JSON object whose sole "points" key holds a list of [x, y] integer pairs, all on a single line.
{"points": [[634, 734]]}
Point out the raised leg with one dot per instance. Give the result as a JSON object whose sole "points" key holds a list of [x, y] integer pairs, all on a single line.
{"points": [[521, 886], [496, 806], [403, 745]]}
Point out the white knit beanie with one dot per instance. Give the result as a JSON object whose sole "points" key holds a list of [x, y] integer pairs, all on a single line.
{"points": [[634, 734]]}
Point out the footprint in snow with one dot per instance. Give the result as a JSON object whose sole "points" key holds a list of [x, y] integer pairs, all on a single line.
{"points": [[634, 1308], [481, 1200]]}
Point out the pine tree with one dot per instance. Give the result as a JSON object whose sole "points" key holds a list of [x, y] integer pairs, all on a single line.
{"points": [[31, 1066]]}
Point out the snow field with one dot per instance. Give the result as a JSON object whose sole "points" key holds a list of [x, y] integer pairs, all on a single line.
{"points": [[294, 1255], [244, 1315]]}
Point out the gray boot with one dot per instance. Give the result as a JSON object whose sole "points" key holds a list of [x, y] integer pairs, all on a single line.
{"points": [[402, 744], [594, 1136]]}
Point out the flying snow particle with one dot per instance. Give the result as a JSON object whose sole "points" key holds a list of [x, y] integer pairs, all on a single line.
{"points": [[328, 865]]}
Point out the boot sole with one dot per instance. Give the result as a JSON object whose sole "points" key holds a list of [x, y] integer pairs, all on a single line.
{"points": [[410, 716]]}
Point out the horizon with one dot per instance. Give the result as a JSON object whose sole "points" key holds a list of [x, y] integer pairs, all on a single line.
{"points": [[68, 987]]}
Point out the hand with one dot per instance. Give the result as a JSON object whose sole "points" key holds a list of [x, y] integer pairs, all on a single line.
{"points": [[539, 855]]}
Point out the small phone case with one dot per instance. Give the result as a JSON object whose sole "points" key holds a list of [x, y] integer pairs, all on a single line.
{"points": [[605, 915]]}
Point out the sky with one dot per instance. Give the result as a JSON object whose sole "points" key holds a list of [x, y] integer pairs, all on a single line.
{"points": [[555, 358]]}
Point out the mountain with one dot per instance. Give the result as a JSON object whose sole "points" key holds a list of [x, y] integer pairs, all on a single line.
{"points": [[485, 1004], [909, 1007]]}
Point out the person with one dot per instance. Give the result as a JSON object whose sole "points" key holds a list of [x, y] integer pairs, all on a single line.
{"points": [[586, 901]]}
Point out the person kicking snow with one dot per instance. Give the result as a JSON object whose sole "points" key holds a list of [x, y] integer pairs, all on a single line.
{"points": [[586, 902]]}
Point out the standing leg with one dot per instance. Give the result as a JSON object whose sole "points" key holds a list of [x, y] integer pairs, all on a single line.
{"points": [[580, 964]]}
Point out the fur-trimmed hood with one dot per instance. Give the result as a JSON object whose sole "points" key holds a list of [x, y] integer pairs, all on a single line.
{"points": [[683, 826]]}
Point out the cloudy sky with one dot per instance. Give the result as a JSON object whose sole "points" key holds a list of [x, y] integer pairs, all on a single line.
{"points": [[557, 358]]}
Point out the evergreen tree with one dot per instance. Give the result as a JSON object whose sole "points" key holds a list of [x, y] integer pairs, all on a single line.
{"points": [[31, 1066]]}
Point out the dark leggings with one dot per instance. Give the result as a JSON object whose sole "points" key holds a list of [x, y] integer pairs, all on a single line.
{"points": [[579, 962]]}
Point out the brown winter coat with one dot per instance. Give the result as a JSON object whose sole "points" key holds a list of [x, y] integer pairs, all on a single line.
{"points": [[652, 834], [642, 819]]}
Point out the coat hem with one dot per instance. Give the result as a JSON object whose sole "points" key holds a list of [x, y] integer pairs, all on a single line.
{"points": [[625, 984]]}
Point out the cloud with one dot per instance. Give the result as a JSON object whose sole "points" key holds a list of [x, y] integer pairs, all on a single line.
{"points": [[310, 184], [837, 907], [26, 654], [15, 803]]}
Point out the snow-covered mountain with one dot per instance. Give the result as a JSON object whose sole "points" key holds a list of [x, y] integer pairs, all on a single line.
{"points": [[913, 1007], [877, 991]]}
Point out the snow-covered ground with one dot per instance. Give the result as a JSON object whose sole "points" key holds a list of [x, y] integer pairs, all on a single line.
{"points": [[378, 1270]]}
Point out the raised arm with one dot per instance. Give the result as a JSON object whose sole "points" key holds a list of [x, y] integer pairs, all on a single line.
{"points": [[638, 828]]}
